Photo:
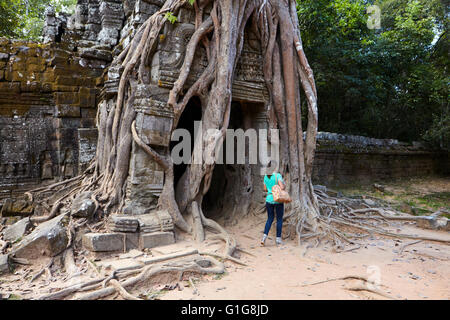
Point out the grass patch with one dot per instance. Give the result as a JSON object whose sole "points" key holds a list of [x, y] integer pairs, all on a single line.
{"points": [[220, 275], [436, 200], [15, 297], [401, 195]]}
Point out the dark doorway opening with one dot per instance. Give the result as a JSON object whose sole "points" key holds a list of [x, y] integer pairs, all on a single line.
{"points": [[225, 181], [192, 113]]}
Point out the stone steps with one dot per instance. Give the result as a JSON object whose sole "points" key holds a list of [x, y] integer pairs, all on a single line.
{"points": [[127, 232], [123, 242]]}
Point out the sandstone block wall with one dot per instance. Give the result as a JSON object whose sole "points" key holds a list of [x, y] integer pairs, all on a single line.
{"points": [[47, 92], [50, 93], [346, 159]]}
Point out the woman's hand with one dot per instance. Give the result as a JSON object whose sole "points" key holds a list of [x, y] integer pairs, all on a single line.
{"points": [[282, 185]]}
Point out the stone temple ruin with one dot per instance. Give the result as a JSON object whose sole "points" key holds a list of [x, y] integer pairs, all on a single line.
{"points": [[50, 93]]}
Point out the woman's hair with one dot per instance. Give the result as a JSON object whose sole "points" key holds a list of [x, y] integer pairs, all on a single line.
{"points": [[272, 167]]}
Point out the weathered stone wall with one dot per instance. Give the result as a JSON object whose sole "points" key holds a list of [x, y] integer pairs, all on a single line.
{"points": [[50, 93], [345, 159], [46, 95]]}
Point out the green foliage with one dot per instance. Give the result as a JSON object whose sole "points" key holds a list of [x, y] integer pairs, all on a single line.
{"points": [[438, 134], [172, 19], [8, 21], [385, 83], [24, 19]]}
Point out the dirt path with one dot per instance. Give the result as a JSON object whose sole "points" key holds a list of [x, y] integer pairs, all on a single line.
{"points": [[422, 271], [419, 271]]}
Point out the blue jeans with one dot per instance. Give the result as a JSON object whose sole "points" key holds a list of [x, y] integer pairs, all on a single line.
{"points": [[271, 208]]}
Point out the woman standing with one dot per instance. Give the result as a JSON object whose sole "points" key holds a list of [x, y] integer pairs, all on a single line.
{"points": [[273, 206]]}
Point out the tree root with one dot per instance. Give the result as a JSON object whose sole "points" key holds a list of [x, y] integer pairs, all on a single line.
{"points": [[122, 291], [194, 288], [69, 262], [151, 271], [406, 245], [92, 266], [171, 256], [381, 213], [390, 234], [356, 288], [351, 277], [68, 291], [224, 257], [230, 242], [21, 261], [374, 290], [39, 273], [245, 251], [53, 213], [161, 161]]}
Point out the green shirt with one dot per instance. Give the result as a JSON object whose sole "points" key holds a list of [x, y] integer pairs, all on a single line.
{"points": [[270, 182]]}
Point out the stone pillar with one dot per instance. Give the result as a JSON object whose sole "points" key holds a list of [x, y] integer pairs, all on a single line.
{"points": [[153, 125], [93, 21], [112, 16], [50, 25]]}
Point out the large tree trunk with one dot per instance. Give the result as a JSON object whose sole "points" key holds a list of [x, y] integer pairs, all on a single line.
{"points": [[285, 70], [287, 76]]}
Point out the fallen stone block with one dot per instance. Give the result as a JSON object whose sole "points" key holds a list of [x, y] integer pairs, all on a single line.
{"points": [[91, 53], [4, 264], [101, 242], [17, 230], [123, 223], [155, 221], [82, 205], [48, 239], [156, 239], [19, 207], [131, 241]]}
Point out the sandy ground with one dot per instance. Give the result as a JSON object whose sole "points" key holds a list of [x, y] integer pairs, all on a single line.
{"points": [[421, 271], [418, 271]]}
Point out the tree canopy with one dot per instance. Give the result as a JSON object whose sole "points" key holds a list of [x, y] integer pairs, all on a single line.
{"points": [[390, 82], [24, 19]]}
